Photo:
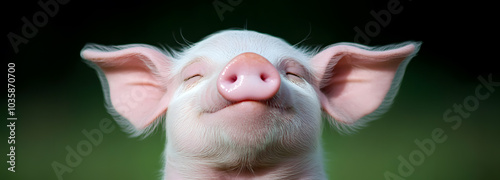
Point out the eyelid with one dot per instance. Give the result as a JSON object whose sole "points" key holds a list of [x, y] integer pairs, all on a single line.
{"points": [[294, 71], [191, 77], [295, 68], [293, 74], [194, 69]]}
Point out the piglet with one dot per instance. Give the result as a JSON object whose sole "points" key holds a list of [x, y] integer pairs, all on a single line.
{"points": [[246, 105]]}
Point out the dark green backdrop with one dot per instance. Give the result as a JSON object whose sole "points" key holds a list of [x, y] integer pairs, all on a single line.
{"points": [[58, 96]]}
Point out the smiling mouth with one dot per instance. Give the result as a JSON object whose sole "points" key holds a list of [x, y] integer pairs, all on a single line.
{"points": [[267, 104]]}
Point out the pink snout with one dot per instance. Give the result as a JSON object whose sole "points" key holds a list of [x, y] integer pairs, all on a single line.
{"points": [[248, 76]]}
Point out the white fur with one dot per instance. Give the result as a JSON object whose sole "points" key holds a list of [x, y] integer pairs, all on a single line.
{"points": [[290, 146]]}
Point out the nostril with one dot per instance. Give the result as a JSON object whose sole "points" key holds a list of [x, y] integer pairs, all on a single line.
{"points": [[233, 78], [263, 77]]}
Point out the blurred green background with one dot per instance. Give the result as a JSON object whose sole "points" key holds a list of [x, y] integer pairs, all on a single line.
{"points": [[58, 96]]}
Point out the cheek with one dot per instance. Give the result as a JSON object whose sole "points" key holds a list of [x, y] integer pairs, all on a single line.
{"points": [[307, 114], [302, 97], [186, 130]]}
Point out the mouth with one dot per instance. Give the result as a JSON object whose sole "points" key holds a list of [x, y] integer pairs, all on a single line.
{"points": [[247, 105]]}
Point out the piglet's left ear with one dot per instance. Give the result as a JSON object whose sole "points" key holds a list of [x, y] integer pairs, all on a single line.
{"points": [[354, 80]]}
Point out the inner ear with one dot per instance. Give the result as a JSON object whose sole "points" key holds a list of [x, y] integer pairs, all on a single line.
{"points": [[136, 83], [355, 80]]}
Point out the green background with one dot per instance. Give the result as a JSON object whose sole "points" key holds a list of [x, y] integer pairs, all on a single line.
{"points": [[58, 96]]}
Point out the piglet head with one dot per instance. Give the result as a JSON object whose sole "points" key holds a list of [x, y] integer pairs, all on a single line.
{"points": [[245, 99]]}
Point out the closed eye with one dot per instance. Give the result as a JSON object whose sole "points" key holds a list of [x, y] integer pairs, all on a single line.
{"points": [[295, 78], [193, 76], [292, 74]]}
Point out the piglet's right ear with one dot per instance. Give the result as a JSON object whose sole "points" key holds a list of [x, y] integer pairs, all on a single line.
{"points": [[134, 79]]}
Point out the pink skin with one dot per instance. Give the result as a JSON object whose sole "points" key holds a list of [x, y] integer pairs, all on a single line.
{"points": [[248, 76], [246, 105]]}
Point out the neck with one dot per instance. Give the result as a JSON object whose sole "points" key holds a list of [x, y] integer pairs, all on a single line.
{"points": [[307, 167]]}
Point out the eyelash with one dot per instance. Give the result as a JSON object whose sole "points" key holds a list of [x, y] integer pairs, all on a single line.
{"points": [[193, 76], [293, 74]]}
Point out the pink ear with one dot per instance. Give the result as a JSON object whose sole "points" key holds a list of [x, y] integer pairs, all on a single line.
{"points": [[355, 80], [135, 81]]}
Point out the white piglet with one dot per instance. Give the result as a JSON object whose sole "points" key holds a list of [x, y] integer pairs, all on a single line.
{"points": [[245, 105]]}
